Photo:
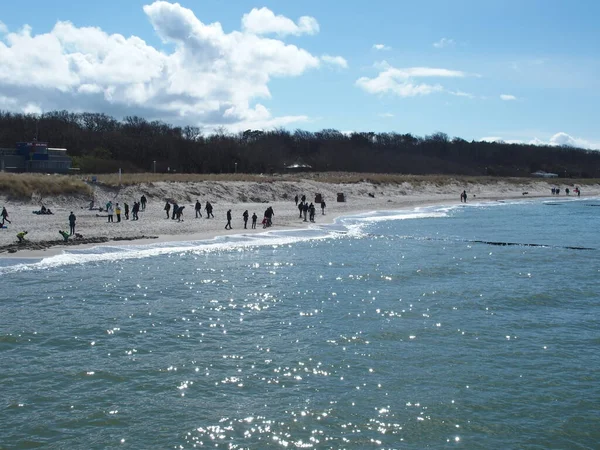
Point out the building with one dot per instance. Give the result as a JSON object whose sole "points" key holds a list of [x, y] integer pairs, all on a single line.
{"points": [[34, 156]]}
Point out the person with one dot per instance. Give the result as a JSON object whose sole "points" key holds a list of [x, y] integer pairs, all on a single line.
{"points": [[179, 213], [126, 206], [64, 234], [300, 208], [72, 220], [296, 199], [254, 217], [209, 210], [5, 215], [198, 209], [118, 212], [136, 209], [311, 211], [143, 201], [567, 191], [110, 211], [303, 198], [167, 208], [323, 207], [175, 209], [305, 210], [228, 226], [21, 235], [464, 196], [245, 216]]}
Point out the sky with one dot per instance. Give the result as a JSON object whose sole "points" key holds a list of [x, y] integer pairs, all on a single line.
{"points": [[519, 71]]}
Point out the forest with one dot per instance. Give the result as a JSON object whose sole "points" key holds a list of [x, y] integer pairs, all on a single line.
{"points": [[99, 143]]}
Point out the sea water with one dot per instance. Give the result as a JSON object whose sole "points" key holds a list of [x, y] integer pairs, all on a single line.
{"points": [[395, 329]]}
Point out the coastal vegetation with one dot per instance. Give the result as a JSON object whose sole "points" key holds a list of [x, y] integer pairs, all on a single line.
{"points": [[99, 143]]}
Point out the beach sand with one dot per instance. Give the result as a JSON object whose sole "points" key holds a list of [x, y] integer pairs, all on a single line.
{"points": [[153, 226]]}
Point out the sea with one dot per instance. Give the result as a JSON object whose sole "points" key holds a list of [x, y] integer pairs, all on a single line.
{"points": [[470, 326]]}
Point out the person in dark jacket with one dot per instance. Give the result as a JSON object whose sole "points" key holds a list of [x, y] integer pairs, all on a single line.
{"points": [[72, 220], [228, 226]]}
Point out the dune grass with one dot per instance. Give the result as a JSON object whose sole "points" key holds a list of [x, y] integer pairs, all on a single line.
{"points": [[325, 177], [26, 186], [23, 186]]}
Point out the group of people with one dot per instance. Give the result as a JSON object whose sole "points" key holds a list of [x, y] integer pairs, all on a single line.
{"points": [[556, 191], [208, 208], [306, 210], [267, 218], [117, 210]]}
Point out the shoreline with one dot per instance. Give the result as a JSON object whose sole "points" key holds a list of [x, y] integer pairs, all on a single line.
{"points": [[154, 228]]}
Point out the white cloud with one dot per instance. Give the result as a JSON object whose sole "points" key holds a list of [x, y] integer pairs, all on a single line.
{"points": [[381, 47], [461, 94], [444, 42], [559, 139], [402, 81], [210, 78], [335, 61], [386, 115], [32, 108], [3, 28], [507, 97], [264, 21]]}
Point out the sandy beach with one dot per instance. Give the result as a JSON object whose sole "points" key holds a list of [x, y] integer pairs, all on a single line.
{"points": [[153, 226]]}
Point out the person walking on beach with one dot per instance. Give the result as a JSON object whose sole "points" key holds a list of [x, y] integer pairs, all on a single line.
{"points": [[143, 201], [118, 212], [296, 199], [209, 210], [254, 217], [305, 210], [311, 212], [303, 198], [126, 206], [136, 209], [245, 216], [179, 213], [198, 209], [167, 208], [228, 226], [5, 215], [323, 207], [175, 209], [300, 208], [110, 211], [72, 220]]}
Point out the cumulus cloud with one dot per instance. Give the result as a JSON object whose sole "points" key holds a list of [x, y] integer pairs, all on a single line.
{"points": [[381, 47], [335, 61], [3, 28], [507, 97], [209, 78], [402, 82], [560, 139], [444, 42], [264, 21]]}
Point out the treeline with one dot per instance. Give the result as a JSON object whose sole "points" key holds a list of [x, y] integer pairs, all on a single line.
{"points": [[100, 143]]}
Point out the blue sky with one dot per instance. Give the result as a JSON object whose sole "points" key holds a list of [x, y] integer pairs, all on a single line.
{"points": [[523, 71]]}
